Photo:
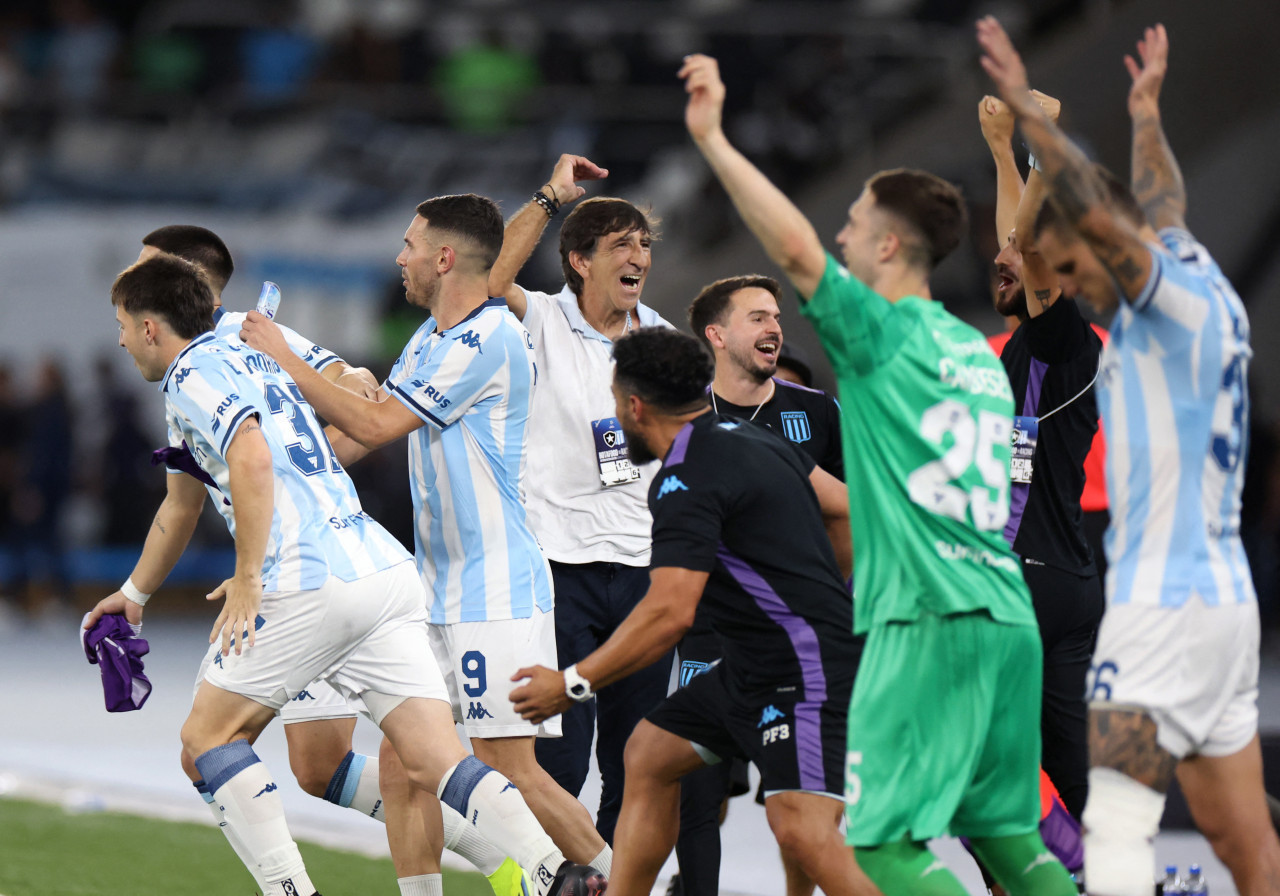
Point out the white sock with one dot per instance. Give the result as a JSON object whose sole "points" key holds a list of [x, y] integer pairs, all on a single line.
{"points": [[421, 885], [232, 835], [491, 804], [604, 862], [355, 785], [462, 839], [246, 793]]}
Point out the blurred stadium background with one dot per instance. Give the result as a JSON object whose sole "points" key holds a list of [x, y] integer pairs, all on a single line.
{"points": [[305, 131]]}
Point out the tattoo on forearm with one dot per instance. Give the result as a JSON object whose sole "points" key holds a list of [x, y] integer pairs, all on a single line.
{"points": [[1157, 180], [159, 525], [1125, 740], [1042, 296], [250, 427]]}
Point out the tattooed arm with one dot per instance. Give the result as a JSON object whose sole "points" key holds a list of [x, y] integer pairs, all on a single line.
{"points": [[1072, 183], [1039, 281], [997, 125], [1157, 180]]}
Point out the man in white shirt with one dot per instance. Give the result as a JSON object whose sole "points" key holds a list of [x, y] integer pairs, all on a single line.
{"points": [[586, 502]]}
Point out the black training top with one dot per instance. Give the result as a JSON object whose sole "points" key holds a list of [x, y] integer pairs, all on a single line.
{"points": [[808, 417], [1051, 361], [735, 501]]}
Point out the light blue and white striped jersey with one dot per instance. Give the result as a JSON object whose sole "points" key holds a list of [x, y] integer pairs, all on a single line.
{"points": [[473, 386], [1173, 394], [318, 528], [227, 325]]}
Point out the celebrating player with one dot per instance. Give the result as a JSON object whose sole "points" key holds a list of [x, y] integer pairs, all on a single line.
{"points": [[1175, 677], [952, 661], [738, 528], [320, 589]]}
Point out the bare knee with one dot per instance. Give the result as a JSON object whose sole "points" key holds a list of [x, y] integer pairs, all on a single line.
{"points": [[188, 765]]}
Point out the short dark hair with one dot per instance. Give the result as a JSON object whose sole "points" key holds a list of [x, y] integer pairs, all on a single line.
{"points": [[198, 245], [666, 368], [591, 220], [170, 287], [475, 218], [931, 207], [710, 305]]}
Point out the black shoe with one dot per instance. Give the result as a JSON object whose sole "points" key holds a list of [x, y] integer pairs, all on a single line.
{"points": [[577, 880]]}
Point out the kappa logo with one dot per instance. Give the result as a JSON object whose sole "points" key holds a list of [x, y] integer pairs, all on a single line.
{"points": [[270, 788], [303, 695], [477, 711], [470, 340], [770, 715], [669, 485]]}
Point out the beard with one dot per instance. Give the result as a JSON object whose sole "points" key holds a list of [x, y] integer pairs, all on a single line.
{"points": [[753, 367], [1011, 303], [637, 451]]}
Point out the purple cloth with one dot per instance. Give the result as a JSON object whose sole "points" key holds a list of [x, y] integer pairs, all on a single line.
{"points": [[111, 646], [182, 460], [1061, 833]]}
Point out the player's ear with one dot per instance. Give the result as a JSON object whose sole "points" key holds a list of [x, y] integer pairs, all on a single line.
{"points": [[635, 404], [888, 247], [446, 259], [580, 263], [712, 332]]}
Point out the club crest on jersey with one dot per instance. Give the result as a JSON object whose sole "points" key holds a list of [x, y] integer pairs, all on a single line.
{"points": [[669, 485], [795, 426]]}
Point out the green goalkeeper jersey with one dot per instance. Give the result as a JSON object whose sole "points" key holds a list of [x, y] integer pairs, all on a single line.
{"points": [[927, 418]]}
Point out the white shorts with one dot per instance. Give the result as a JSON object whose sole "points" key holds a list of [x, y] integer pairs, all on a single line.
{"points": [[477, 660], [1193, 669], [315, 702], [366, 635]]}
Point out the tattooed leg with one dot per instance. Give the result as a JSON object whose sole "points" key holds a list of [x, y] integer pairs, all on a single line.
{"points": [[1125, 740]]}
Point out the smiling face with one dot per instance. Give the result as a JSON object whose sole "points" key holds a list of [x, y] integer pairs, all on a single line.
{"points": [[751, 333], [616, 270], [417, 261], [1080, 273], [1010, 296]]}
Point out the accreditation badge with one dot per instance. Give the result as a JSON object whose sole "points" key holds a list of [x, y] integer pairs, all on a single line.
{"points": [[611, 453], [1026, 430]]}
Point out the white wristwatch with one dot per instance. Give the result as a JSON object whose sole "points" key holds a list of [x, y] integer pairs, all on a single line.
{"points": [[576, 687]]}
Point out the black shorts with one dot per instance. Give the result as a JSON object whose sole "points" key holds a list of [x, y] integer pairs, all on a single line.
{"points": [[796, 746]]}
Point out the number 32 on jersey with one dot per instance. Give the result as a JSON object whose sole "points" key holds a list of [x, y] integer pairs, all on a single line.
{"points": [[940, 485]]}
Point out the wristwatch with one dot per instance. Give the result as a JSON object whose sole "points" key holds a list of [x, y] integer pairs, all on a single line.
{"points": [[576, 687]]}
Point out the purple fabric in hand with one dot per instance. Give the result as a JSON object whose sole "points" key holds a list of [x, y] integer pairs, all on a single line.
{"points": [[111, 646]]}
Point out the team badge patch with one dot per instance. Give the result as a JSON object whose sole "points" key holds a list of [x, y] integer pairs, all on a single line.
{"points": [[795, 426]]}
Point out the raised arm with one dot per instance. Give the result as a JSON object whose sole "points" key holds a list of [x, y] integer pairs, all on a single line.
{"points": [[786, 235], [1039, 281], [167, 538], [1068, 173], [1157, 180], [526, 226], [833, 498], [997, 125]]}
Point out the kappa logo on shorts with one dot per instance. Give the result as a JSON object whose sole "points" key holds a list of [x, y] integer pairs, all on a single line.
{"points": [[669, 485], [477, 711], [303, 695], [770, 715]]}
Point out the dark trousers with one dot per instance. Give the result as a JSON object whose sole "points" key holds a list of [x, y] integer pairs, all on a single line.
{"points": [[592, 599], [1069, 609]]}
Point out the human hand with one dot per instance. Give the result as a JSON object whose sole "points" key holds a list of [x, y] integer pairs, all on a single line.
{"points": [[702, 82], [543, 697], [239, 616], [1051, 106], [361, 381], [1148, 77], [115, 605], [1003, 64], [996, 121], [262, 333], [569, 170]]}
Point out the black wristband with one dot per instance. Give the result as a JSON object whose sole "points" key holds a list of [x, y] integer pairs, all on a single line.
{"points": [[550, 206]]}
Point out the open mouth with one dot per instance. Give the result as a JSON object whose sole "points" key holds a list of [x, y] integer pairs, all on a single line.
{"points": [[1007, 281], [768, 348], [630, 281]]}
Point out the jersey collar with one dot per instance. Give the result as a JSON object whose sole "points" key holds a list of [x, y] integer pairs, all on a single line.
{"points": [[204, 337], [644, 317]]}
